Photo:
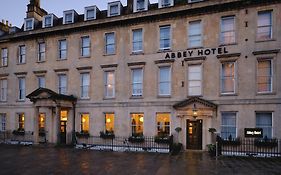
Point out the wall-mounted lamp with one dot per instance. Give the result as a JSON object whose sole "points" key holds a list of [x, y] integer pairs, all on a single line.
{"points": [[194, 111]]}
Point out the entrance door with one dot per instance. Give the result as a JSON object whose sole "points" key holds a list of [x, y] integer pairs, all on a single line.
{"points": [[63, 132], [194, 134]]}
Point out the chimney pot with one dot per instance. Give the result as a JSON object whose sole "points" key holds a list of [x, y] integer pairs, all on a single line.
{"points": [[7, 22]]}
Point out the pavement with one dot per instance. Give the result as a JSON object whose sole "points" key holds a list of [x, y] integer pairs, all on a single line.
{"points": [[49, 160]]}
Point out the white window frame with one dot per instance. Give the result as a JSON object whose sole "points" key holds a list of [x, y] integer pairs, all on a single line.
{"points": [[4, 57], [159, 125], [3, 120], [68, 12], [190, 79], [45, 19], [109, 6], [193, 1], [107, 44], [265, 112], [165, 38], [41, 81], [3, 89], [222, 115], [26, 21], [137, 82], [135, 6], [107, 85], [41, 53], [22, 88], [90, 8], [234, 77], [227, 31], [137, 41], [168, 81], [83, 47], [263, 26], [190, 36], [22, 54], [61, 88], [60, 49], [271, 76], [85, 88], [161, 3]]}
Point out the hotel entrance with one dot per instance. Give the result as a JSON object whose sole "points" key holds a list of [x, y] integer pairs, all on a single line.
{"points": [[63, 125], [194, 134]]}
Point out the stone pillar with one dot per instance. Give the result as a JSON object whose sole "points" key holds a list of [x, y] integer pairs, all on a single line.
{"points": [[36, 127], [57, 123]]}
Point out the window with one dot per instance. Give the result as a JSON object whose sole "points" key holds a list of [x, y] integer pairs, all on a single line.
{"points": [[137, 79], [165, 37], [265, 76], [194, 80], [48, 21], [194, 34], [21, 93], [28, 24], [41, 52], [62, 49], [227, 30], [140, 5], [114, 9], [4, 88], [164, 81], [109, 84], [137, 124], [41, 82], [264, 121], [85, 84], [62, 83], [4, 57], [165, 3], [228, 125], [22, 53], [85, 123], [85, 46], [264, 28], [109, 123], [228, 77], [109, 43], [3, 122], [163, 124], [137, 40], [68, 17], [41, 122], [90, 13], [21, 119]]}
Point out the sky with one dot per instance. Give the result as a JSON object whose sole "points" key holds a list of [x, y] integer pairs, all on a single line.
{"points": [[15, 10]]}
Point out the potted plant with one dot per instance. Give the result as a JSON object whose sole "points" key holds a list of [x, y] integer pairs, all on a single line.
{"points": [[107, 134], [162, 138], [177, 147], [211, 149], [82, 134], [265, 142], [136, 138], [19, 131], [231, 141]]}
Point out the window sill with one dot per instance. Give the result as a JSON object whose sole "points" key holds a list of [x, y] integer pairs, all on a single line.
{"points": [[82, 57], [21, 63], [266, 40], [19, 100], [164, 50], [59, 59], [228, 94], [137, 53], [266, 93], [136, 97], [4, 66], [111, 54], [164, 96], [109, 98], [40, 61], [196, 47], [228, 44], [3, 101], [84, 98]]}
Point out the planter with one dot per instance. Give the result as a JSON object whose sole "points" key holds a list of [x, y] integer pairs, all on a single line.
{"points": [[42, 134], [176, 148], [136, 139], [159, 139], [211, 150], [107, 135], [19, 132], [269, 143], [82, 134], [235, 142]]}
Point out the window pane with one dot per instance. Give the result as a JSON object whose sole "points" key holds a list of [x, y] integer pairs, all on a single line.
{"points": [[264, 121], [264, 78], [137, 40], [85, 123], [137, 79], [194, 80], [163, 124], [228, 125], [227, 30], [228, 77], [137, 124], [264, 30], [164, 81], [85, 84], [165, 37], [109, 84], [109, 123], [91, 14]]}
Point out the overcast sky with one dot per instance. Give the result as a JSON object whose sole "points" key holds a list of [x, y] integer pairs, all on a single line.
{"points": [[15, 10]]}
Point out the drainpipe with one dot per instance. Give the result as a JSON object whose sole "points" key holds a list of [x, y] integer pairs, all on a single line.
{"points": [[73, 127]]}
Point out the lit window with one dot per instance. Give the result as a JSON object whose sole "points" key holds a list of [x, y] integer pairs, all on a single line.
{"points": [[228, 125], [41, 82], [137, 40], [4, 57], [22, 52], [29, 24], [62, 83], [264, 28], [109, 43], [85, 46], [165, 37], [90, 13], [164, 81], [194, 34], [137, 124], [3, 122], [228, 77], [85, 123], [62, 49], [85, 84], [137, 80], [109, 84], [194, 80], [21, 93], [163, 124], [41, 52], [42, 118], [264, 76], [264, 121], [227, 30], [4, 89], [21, 119], [109, 123]]}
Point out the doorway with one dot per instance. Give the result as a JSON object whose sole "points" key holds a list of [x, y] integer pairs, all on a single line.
{"points": [[63, 125], [194, 134]]}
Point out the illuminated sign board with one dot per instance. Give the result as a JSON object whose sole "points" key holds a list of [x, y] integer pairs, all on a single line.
{"points": [[253, 132]]}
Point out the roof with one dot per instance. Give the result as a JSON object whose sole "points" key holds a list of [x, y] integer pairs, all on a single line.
{"points": [[34, 96], [192, 100]]}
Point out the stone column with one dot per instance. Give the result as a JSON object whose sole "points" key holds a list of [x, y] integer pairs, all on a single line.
{"points": [[36, 127], [57, 117]]}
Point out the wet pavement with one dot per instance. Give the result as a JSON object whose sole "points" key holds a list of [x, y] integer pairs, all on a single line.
{"points": [[41, 160]]}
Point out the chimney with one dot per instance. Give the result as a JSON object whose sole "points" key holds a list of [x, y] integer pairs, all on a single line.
{"points": [[35, 11], [4, 27], [130, 6]]}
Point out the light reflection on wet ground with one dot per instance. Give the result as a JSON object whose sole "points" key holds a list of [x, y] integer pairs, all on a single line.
{"points": [[40, 160]]}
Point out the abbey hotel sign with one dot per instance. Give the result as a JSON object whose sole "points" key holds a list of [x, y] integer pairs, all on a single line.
{"points": [[196, 53]]}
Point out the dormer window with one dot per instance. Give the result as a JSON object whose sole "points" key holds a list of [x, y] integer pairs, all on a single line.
{"points": [[48, 21], [191, 1], [69, 16], [165, 3], [90, 13], [28, 24], [140, 5], [114, 9]]}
